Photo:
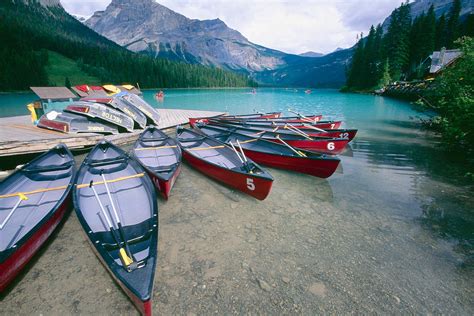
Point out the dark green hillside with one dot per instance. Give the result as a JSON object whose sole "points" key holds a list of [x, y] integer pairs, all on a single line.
{"points": [[60, 67], [28, 30], [322, 72]]}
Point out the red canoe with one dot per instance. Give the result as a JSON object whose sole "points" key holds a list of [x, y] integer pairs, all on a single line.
{"points": [[160, 155], [28, 217], [278, 155], [205, 120], [288, 119], [220, 162], [324, 145], [257, 124], [310, 131]]}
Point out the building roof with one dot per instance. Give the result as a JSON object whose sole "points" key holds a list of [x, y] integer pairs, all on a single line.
{"points": [[53, 93], [92, 93], [441, 59], [130, 88]]}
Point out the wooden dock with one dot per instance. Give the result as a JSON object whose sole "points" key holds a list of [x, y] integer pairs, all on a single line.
{"points": [[18, 136]]}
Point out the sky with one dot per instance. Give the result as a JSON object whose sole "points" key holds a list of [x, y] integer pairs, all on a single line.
{"points": [[294, 26]]}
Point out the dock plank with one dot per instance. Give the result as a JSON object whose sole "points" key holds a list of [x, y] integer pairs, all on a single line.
{"points": [[18, 136]]}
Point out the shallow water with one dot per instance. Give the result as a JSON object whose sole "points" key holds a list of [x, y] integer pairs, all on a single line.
{"points": [[391, 232]]}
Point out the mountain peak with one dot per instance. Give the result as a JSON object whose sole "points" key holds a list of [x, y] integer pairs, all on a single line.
{"points": [[149, 27]]}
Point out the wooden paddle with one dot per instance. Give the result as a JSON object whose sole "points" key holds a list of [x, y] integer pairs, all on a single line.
{"points": [[126, 260], [79, 186], [21, 197], [299, 153]]}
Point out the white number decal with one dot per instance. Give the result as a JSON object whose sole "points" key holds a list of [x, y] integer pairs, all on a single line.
{"points": [[331, 146], [250, 184], [344, 135], [332, 126]]}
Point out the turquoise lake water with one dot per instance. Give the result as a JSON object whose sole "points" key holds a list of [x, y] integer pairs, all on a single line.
{"points": [[392, 231]]}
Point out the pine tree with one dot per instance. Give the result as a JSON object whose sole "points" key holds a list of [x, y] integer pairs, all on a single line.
{"points": [[355, 70], [385, 77], [441, 33], [468, 26], [397, 41], [67, 83], [453, 24]]}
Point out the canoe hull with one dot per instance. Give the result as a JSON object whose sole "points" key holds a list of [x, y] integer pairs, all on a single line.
{"points": [[323, 168], [321, 125], [337, 133], [271, 115], [12, 266], [293, 119], [74, 123], [257, 187], [332, 146], [144, 307], [204, 120], [164, 186]]}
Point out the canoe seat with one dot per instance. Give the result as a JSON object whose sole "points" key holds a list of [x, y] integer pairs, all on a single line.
{"points": [[108, 161], [34, 169], [195, 139], [140, 232], [48, 173], [120, 161], [153, 139], [161, 169], [152, 143]]}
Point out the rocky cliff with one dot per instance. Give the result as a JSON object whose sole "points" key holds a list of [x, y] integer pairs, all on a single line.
{"points": [[146, 26]]}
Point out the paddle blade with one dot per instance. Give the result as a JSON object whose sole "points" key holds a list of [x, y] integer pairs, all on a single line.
{"points": [[126, 260]]}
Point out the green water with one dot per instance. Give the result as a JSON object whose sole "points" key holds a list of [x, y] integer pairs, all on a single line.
{"points": [[392, 231]]}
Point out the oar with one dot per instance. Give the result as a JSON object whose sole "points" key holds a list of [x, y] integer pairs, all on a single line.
{"points": [[314, 127], [245, 158], [297, 130], [299, 153], [21, 197], [126, 260], [244, 162], [119, 224], [236, 152], [302, 116]]}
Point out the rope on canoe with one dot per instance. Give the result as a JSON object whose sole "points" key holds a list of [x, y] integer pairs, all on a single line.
{"points": [[152, 148], [79, 186]]}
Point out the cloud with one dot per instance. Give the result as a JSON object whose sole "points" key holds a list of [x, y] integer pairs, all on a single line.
{"points": [[84, 7], [289, 26]]}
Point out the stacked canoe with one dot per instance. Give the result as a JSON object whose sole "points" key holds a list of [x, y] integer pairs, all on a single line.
{"points": [[106, 110]]}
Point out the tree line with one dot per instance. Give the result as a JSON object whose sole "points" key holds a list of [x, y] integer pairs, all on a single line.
{"points": [[399, 52], [28, 30]]}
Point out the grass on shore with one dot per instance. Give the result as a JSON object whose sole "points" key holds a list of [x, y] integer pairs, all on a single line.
{"points": [[60, 67]]}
